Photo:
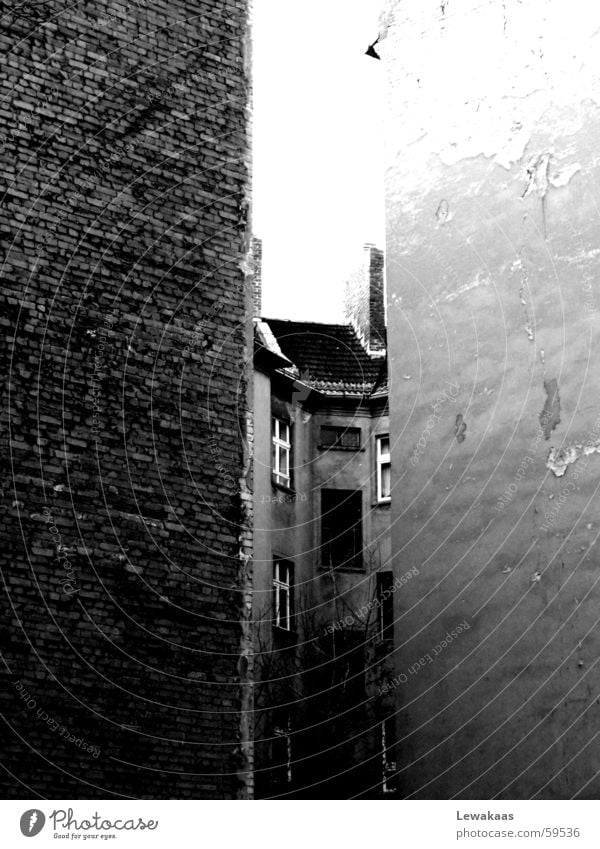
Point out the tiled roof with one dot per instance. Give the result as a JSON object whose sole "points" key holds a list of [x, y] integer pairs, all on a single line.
{"points": [[330, 357], [381, 385], [265, 341]]}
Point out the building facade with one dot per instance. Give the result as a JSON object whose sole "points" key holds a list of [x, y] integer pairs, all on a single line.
{"points": [[126, 431], [492, 261], [322, 558]]}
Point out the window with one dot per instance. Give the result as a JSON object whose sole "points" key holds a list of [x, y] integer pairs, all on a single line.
{"points": [[281, 452], [385, 605], [281, 752], [388, 764], [384, 468], [283, 594], [341, 528], [340, 437]]}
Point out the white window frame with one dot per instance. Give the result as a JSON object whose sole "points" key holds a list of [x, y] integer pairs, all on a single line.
{"points": [[388, 767], [286, 732], [382, 459], [282, 447], [283, 587]]}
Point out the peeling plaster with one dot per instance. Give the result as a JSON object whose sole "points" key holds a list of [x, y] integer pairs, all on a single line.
{"points": [[528, 327], [442, 213], [559, 459], [460, 428], [465, 106], [550, 415], [558, 179], [540, 179], [537, 171], [466, 287]]}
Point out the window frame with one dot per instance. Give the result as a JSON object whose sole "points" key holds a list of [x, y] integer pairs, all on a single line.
{"points": [[388, 744], [283, 733], [281, 447], [381, 460], [340, 431], [283, 587], [335, 542]]}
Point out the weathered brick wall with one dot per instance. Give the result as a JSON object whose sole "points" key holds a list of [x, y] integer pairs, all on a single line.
{"points": [[492, 263], [364, 299], [124, 508]]}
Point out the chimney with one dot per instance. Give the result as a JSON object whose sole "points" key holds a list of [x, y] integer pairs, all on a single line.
{"points": [[256, 264], [365, 300]]}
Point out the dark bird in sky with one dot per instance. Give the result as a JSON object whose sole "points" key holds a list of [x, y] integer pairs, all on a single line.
{"points": [[370, 51]]}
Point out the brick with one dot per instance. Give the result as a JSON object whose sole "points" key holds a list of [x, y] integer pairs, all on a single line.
{"points": [[110, 234]]}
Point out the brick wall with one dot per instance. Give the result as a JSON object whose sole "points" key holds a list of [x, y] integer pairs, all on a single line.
{"points": [[124, 509], [364, 299]]}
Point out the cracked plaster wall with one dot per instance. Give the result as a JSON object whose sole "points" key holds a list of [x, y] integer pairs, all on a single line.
{"points": [[492, 262]]}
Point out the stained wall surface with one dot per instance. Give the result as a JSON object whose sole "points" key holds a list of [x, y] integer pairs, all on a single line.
{"points": [[492, 274]]}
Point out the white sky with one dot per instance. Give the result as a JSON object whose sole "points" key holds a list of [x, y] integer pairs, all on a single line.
{"points": [[318, 150]]}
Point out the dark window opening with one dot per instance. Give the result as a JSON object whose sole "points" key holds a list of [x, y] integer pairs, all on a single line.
{"points": [[340, 437], [341, 528]]}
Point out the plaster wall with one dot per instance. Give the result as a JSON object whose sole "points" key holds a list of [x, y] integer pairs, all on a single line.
{"points": [[492, 276]]}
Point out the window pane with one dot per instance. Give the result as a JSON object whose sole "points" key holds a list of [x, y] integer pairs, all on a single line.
{"points": [[340, 437], [283, 609], [283, 594], [384, 446], [328, 436], [351, 438], [386, 475]]}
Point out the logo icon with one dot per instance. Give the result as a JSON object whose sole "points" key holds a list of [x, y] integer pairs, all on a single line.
{"points": [[32, 822], [302, 387]]}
